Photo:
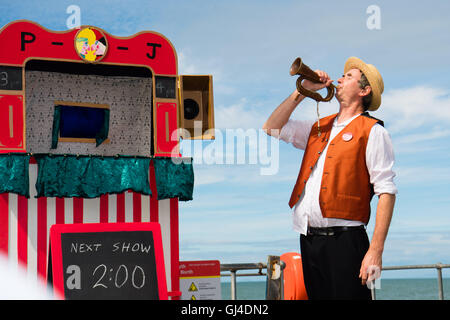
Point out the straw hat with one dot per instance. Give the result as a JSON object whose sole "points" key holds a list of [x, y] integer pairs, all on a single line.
{"points": [[372, 75]]}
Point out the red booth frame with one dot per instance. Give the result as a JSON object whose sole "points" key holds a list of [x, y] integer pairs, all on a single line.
{"points": [[146, 49]]}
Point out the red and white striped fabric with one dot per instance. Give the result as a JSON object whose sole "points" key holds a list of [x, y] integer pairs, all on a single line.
{"points": [[25, 223]]}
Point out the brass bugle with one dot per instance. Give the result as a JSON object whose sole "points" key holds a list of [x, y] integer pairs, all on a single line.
{"points": [[304, 72]]}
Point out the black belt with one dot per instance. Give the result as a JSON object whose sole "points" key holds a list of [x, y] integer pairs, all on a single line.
{"points": [[331, 231]]}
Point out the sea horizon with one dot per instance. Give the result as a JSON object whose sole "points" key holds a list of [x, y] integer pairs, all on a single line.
{"points": [[390, 289]]}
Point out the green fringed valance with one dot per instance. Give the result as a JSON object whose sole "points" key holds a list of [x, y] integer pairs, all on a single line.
{"points": [[14, 175], [93, 176], [174, 178], [90, 176]]}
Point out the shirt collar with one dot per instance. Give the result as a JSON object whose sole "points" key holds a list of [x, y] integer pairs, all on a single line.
{"points": [[346, 122]]}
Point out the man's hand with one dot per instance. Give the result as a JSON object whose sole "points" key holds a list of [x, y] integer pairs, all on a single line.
{"points": [[281, 114], [370, 266], [314, 86]]}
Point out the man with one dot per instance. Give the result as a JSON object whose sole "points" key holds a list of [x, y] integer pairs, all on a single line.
{"points": [[348, 158]]}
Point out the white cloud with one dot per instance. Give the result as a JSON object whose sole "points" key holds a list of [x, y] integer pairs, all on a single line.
{"points": [[185, 64], [245, 241], [403, 248], [241, 175], [426, 141], [431, 175], [205, 178], [434, 133], [407, 109], [242, 114], [190, 64]]}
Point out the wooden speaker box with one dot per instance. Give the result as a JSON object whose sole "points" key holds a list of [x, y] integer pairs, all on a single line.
{"points": [[196, 107]]}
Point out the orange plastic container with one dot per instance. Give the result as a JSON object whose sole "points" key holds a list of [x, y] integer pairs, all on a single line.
{"points": [[294, 286]]}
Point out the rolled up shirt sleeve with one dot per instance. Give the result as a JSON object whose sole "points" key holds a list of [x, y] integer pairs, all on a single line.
{"points": [[380, 161], [296, 132]]}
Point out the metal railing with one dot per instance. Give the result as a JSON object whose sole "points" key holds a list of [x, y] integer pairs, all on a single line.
{"points": [[235, 267], [438, 266]]}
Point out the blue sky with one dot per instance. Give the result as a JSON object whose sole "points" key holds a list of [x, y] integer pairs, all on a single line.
{"points": [[239, 215]]}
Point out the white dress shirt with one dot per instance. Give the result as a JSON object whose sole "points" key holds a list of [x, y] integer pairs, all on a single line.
{"points": [[379, 161]]}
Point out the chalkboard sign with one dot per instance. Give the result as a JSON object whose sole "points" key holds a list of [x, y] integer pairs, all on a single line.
{"points": [[107, 261], [165, 87], [10, 78]]}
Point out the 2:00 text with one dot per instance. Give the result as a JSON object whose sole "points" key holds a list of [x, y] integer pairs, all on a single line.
{"points": [[120, 276]]}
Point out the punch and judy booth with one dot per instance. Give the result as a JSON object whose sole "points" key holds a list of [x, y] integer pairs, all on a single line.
{"points": [[89, 134]]}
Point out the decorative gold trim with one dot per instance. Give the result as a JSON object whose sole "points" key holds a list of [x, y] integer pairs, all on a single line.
{"points": [[166, 116], [21, 97], [12, 92], [155, 136], [81, 104], [82, 140], [11, 121]]}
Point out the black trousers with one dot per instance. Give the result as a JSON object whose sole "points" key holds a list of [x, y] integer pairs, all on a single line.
{"points": [[331, 265]]}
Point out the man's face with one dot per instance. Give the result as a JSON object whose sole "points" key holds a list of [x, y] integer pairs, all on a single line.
{"points": [[348, 86]]}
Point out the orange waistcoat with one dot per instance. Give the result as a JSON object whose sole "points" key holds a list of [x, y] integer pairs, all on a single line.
{"points": [[346, 190]]}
